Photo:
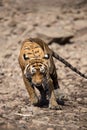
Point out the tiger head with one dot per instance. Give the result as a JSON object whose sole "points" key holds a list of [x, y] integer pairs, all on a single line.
{"points": [[36, 72]]}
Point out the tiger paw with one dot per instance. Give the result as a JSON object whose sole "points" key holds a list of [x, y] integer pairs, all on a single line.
{"points": [[55, 107], [35, 101], [43, 102]]}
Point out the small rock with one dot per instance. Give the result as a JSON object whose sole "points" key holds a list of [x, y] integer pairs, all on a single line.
{"points": [[79, 99]]}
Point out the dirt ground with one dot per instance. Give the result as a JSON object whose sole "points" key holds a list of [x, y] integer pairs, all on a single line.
{"points": [[67, 23]]}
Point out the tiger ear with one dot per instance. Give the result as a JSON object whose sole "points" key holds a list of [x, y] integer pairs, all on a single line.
{"points": [[25, 57]]}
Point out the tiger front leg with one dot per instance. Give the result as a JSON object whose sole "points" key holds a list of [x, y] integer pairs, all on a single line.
{"points": [[52, 99], [31, 91], [43, 100]]}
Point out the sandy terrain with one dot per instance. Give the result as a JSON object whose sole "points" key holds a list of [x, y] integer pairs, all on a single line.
{"points": [[65, 22]]}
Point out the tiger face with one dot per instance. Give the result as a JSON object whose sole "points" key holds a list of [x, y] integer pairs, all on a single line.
{"points": [[36, 73]]}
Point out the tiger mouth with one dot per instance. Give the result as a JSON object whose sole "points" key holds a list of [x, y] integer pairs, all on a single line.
{"points": [[37, 84]]}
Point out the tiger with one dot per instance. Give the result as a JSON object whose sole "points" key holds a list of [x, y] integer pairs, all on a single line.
{"points": [[39, 71]]}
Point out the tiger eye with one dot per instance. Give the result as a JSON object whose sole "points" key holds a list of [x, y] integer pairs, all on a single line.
{"points": [[46, 56], [25, 57]]}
